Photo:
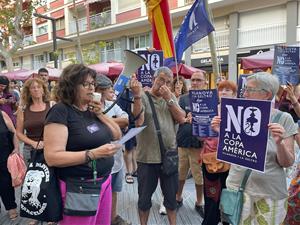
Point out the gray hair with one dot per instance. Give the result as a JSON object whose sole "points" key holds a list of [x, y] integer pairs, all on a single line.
{"points": [[266, 81], [164, 70]]}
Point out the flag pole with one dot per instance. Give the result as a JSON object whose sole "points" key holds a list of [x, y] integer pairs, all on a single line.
{"points": [[212, 46], [175, 56]]}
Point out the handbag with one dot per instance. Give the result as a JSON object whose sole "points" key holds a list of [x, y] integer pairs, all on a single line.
{"points": [[231, 203], [82, 196], [169, 157], [40, 194], [17, 168], [209, 157]]}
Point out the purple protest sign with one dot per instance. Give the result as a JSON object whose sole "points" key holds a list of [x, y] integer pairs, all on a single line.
{"points": [[146, 71], [244, 132], [204, 106], [241, 84], [286, 64]]}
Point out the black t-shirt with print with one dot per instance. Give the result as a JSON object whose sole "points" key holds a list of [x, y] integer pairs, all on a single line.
{"points": [[85, 131]]}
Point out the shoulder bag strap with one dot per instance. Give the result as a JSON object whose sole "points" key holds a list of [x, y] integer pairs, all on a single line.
{"points": [[157, 127], [245, 179], [277, 117]]}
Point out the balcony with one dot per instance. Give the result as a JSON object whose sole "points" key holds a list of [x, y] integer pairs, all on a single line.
{"points": [[221, 41], [188, 2], [100, 20], [266, 34], [28, 40], [82, 24], [111, 55]]}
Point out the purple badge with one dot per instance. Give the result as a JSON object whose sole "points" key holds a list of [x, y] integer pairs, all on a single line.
{"points": [[93, 128]]}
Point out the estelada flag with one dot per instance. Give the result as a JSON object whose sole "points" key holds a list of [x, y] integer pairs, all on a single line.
{"points": [[159, 17]]}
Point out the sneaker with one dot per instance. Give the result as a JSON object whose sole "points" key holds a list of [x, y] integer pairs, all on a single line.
{"points": [[119, 221], [200, 210], [162, 209], [179, 203]]}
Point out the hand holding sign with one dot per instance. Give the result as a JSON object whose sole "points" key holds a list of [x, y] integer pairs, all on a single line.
{"points": [[277, 132], [215, 123]]}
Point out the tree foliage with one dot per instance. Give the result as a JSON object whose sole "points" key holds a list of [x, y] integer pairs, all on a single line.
{"points": [[14, 16]]}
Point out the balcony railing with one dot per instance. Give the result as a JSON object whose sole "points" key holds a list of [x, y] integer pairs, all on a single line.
{"points": [[28, 40], [100, 20], [221, 40], [111, 55], [267, 34], [188, 2], [82, 25]]}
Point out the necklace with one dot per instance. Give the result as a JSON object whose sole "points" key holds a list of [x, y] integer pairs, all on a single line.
{"points": [[76, 107]]}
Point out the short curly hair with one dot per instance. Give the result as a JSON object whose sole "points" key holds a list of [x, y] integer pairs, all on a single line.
{"points": [[26, 96], [71, 77]]}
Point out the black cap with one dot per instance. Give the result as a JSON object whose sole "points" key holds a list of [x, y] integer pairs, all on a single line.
{"points": [[103, 82]]}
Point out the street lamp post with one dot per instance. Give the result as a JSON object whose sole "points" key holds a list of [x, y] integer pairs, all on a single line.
{"points": [[54, 36]]}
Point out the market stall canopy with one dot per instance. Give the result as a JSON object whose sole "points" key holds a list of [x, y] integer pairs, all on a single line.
{"points": [[263, 60], [184, 70], [24, 74], [110, 69]]}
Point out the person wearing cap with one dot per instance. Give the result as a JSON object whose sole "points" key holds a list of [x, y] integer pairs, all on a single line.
{"points": [[104, 87], [7, 100]]}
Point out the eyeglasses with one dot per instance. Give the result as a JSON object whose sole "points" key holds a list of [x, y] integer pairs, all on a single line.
{"points": [[88, 84], [197, 80], [250, 89]]}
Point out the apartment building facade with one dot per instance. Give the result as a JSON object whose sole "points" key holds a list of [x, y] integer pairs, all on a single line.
{"points": [[107, 27]]}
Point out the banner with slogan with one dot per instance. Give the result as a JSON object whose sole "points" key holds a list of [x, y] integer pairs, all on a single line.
{"points": [[155, 60], [241, 84], [204, 106], [286, 64], [244, 132]]}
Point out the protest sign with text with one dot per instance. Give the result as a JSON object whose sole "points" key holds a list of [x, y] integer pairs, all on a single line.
{"points": [[204, 106], [286, 64], [241, 84], [244, 132], [146, 71]]}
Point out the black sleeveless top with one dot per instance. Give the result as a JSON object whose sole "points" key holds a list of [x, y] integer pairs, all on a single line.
{"points": [[6, 144]]}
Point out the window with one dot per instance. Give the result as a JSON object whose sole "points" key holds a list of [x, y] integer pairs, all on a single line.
{"points": [[39, 58], [141, 41], [42, 29], [60, 23], [128, 5]]}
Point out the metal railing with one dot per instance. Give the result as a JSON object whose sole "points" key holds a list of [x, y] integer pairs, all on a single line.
{"points": [[221, 41], [265, 34], [111, 55], [82, 24], [100, 20], [28, 40], [188, 2]]}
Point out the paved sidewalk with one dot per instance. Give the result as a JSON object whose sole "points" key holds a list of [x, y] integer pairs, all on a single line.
{"points": [[127, 207]]}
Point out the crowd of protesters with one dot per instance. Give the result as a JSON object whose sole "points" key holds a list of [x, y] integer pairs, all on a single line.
{"points": [[77, 135]]}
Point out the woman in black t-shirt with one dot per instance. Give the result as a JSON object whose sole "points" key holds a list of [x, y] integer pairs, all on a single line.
{"points": [[76, 132]]}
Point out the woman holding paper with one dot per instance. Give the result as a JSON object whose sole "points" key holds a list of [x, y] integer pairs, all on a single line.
{"points": [[77, 140], [266, 193]]}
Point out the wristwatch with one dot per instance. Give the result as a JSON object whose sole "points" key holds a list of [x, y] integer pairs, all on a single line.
{"points": [[170, 102]]}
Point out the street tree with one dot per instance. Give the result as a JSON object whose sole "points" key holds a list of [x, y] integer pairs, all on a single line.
{"points": [[13, 18]]}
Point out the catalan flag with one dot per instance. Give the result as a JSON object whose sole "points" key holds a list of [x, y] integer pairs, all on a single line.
{"points": [[159, 17]]}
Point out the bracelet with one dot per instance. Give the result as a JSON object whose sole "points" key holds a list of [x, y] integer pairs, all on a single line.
{"points": [[137, 97], [87, 157]]}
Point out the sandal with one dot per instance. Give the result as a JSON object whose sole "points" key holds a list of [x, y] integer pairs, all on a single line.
{"points": [[12, 213], [129, 179], [134, 174]]}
